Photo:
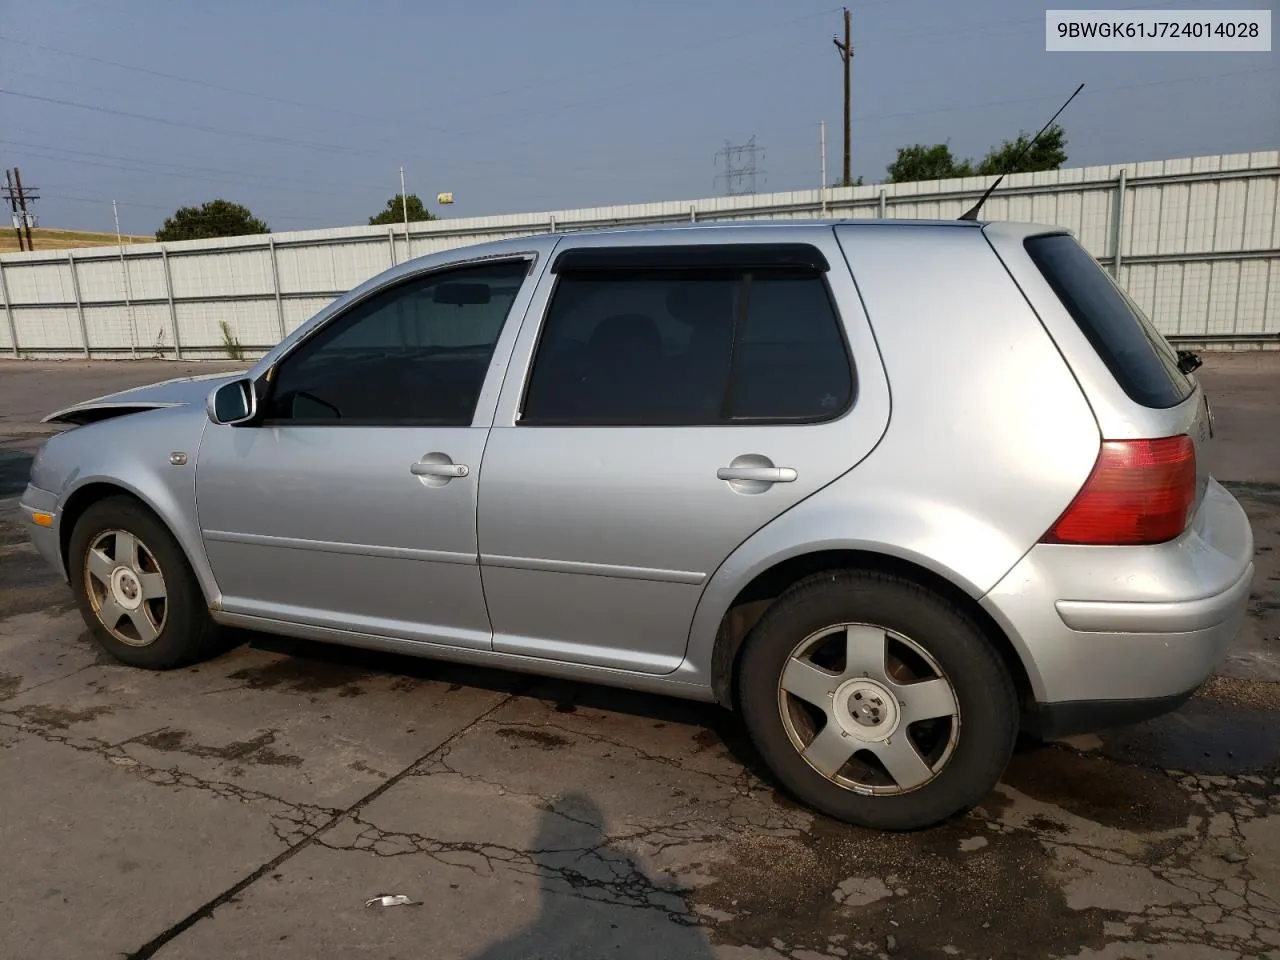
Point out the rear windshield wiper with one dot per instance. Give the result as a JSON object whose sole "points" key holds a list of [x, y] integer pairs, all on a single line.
{"points": [[1188, 361]]}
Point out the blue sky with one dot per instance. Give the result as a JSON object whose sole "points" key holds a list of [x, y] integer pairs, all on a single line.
{"points": [[304, 111]]}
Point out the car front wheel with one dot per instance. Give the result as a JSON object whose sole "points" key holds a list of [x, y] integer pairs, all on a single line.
{"points": [[877, 701], [135, 588]]}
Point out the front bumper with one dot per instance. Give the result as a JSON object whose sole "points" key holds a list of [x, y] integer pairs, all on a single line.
{"points": [[1111, 635], [35, 502]]}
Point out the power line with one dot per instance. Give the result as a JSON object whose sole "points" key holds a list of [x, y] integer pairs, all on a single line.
{"points": [[862, 118], [192, 80], [980, 105], [156, 206], [38, 150], [264, 137], [611, 68]]}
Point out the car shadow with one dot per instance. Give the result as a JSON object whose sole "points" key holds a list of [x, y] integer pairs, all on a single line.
{"points": [[15, 469], [718, 724]]}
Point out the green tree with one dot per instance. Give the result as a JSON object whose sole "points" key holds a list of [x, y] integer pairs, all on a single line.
{"points": [[394, 213], [1049, 153], [920, 162], [217, 218]]}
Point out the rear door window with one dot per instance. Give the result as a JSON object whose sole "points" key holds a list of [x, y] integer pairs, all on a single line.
{"points": [[1137, 354], [689, 345]]}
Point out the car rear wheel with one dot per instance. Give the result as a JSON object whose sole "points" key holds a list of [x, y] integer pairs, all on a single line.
{"points": [[877, 701], [135, 588]]}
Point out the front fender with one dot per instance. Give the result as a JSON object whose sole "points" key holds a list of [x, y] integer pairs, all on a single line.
{"points": [[132, 453]]}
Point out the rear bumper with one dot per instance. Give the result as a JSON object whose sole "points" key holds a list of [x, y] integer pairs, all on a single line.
{"points": [[1111, 635], [45, 538], [1050, 721]]}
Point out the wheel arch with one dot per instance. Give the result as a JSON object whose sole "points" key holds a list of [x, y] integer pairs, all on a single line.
{"points": [[95, 490], [757, 595]]}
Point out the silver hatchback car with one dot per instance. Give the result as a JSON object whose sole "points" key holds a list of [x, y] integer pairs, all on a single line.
{"points": [[891, 490]]}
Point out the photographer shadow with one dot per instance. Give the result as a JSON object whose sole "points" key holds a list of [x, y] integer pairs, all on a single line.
{"points": [[597, 900]]}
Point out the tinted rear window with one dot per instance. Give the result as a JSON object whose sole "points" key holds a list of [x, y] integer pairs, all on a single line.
{"points": [[689, 346], [1135, 352]]}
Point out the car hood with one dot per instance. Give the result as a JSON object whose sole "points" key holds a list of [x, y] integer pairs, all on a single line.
{"points": [[167, 393]]}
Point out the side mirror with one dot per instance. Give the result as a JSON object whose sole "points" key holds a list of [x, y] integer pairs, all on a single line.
{"points": [[232, 403]]}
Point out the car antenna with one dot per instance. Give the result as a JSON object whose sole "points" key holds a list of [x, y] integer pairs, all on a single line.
{"points": [[972, 212]]}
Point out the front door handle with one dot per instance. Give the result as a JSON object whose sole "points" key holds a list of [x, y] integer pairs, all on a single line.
{"points": [[758, 474], [437, 469]]}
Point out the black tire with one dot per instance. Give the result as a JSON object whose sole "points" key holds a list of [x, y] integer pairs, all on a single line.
{"points": [[184, 631], [976, 750]]}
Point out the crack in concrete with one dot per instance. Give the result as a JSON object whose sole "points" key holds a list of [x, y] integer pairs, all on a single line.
{"points": [[149, 949], [289, 821], [602, 871], [12, 694], [1216, 903]]}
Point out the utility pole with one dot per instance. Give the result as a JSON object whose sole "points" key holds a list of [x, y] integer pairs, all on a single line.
{"points": [[22, 201], [822, 184], [846, 54], [404, 206], [18, 197], [12, 196], [128, 286]]}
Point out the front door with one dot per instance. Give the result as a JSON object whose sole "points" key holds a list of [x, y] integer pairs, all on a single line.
{"points": [[679, 398], [351, 505]]}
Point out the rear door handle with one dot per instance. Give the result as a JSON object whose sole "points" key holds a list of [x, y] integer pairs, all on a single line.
{"points": [[758, 474]]}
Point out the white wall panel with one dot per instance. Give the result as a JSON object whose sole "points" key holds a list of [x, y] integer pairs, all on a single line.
{"points": [[1096, 213], [1165, 309], [1229, 215], [234, 273], [252, 322], [1194, 305], [39, 282], [298, 311], [1144, 237], [1177, 213], [337, 266], [143, 328], [1251, 303], [47, 328], [1260, 215], [1224, 290]]}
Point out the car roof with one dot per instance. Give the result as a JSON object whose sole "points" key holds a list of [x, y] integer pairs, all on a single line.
{"points": [[618, 235], [781, 225]]}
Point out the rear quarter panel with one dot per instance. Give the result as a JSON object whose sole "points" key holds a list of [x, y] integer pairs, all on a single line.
{"points": [[989, 435]]}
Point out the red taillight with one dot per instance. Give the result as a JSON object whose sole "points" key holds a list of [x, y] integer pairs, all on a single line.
{"points": [[1140, 491]]}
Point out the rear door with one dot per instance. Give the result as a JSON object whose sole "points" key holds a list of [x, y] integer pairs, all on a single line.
{"points": [[672, 400]]}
